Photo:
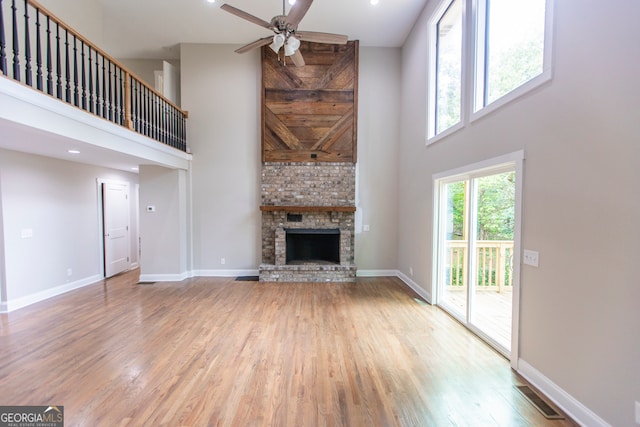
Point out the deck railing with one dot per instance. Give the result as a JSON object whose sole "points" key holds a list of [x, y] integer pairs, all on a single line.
{"points": [[494, 262], [41, 51]]}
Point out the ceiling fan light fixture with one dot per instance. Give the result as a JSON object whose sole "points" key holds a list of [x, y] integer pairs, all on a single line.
{"points": [[278, 42], [292, 45]]}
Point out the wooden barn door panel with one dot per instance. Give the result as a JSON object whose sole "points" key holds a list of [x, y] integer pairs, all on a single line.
{"points": [[309, 113]]}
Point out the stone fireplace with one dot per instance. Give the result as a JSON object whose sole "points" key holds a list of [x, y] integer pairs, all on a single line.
{"points": [[308, 222]]}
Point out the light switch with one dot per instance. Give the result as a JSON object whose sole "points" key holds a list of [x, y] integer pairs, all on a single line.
{"points": [[531, 258], [26, 233]]}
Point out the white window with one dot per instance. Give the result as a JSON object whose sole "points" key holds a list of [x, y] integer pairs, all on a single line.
{"points": [[508, 54], [510, 40], [448, 65]]}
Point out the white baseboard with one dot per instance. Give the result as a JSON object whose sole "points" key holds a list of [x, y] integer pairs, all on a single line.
{"points": [[12, 305], [572, 407], [377, 273], [164, 277], [223, 273], [413, 285]]}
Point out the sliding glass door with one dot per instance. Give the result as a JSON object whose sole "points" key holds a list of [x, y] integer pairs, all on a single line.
{"points": [[475, 241]]}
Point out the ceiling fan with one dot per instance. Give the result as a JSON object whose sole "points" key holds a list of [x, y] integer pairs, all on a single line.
{"points": [[286, 31]]}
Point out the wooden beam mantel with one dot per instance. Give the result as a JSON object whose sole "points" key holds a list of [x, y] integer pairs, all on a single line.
{"points": [[264, 208]]}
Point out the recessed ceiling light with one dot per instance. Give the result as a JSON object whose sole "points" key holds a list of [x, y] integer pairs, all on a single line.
{"points": [[211, 1], [73, 152], [292, 1], [134, 169], [374, 2]]}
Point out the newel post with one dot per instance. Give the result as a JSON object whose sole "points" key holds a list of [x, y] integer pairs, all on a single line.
{"points": [[128, 123]]}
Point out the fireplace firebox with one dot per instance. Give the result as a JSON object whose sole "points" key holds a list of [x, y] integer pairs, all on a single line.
{"points": [[304, 245]]}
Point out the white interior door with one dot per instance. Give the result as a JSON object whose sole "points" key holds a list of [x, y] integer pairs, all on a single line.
{"points": [[117, 243]]}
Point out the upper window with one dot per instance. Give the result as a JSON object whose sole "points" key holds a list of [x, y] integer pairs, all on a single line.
{"points": [[507, 55], [510, 39], [448, 67]]}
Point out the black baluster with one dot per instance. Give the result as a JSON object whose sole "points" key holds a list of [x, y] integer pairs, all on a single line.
{"points": [[16, 44], [27, 45], [67, 62], [154, 114], [49, 66], [170, 125], [145, 110], [104, 90], [110, 94], [76, 94], [155, 107], [90, 74], [3, 44], [183, 132], [97, 96], [38, 52], [58, 63], [164, 122], [83, 72], [116, 113], [135, 105], [122, 100]]}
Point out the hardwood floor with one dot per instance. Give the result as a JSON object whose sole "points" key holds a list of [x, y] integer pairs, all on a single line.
{"points": [[216, 352]]}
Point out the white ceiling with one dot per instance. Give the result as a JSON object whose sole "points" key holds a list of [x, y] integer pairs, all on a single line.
{"points": [[154, 28]]}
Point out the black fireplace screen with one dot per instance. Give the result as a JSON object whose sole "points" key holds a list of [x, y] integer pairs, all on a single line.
{"points": [[313, 245]]}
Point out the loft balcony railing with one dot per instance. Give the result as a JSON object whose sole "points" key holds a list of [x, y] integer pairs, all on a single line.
{"points": [[41, 51]]}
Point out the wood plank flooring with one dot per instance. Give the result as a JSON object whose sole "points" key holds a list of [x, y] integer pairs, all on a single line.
{"points": [[218, 352]]}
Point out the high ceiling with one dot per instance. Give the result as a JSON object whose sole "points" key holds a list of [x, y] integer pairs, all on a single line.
{"points": [[154, 28]]}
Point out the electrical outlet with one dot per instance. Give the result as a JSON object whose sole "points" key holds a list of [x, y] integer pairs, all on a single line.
{"points": [[411, 271], [69, 272], [638, 413], [366, 227], [531, 258], [223, 261]]}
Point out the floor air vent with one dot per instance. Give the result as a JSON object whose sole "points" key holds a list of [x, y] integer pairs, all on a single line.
{"points": [[247, 279], [146, 283], [537, 401]]}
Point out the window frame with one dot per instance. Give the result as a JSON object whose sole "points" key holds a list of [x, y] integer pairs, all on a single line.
{"points": [[432, 112], [472, 59]]}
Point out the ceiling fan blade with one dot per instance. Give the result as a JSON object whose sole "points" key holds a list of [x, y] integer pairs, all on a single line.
{"points": [[258, 43], [246, 16], [297, 58], [297, 12], [313, 36]]}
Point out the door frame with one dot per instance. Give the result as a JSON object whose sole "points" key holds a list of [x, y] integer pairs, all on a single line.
{"points": [[516, 161], [101, 241]]}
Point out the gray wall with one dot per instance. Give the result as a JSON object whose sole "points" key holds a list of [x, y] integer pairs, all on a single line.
{"points": [[579, 311], [221, 91], [84, 16], [163, 233], [58, 201]]}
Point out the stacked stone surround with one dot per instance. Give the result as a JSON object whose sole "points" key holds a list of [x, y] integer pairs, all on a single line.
{"points": [[307, 185]]}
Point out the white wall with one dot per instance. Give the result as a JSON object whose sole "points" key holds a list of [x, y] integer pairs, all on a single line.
{"points": [[58, 201], [580, 132], [378, 136], [84, 16], [163, 233], [221, 91]]}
